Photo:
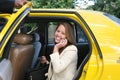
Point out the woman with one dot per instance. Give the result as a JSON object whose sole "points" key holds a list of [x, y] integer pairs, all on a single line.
{"points": [[64, 57]]}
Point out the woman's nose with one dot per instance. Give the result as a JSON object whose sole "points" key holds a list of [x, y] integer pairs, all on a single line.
{"points": [[59, 34]]}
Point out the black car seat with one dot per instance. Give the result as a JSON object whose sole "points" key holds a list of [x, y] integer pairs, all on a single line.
{"points": [[21, 55]]}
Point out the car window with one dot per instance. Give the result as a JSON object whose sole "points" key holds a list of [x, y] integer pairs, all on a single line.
{"points": [[2, 23], [29, 27], [51, 29], [81, 38]]}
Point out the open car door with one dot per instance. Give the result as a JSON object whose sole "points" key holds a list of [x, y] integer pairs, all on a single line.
{"points": [[8, 25]]}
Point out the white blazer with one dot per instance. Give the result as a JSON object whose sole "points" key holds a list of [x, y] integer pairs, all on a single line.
{"points": [[63, 66]]}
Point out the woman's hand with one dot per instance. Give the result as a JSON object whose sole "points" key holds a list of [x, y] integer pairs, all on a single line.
{"points": [[62, 43], [43, 60]]}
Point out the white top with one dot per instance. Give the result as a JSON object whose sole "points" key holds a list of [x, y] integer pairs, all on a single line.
{"points": [[63, 66]]}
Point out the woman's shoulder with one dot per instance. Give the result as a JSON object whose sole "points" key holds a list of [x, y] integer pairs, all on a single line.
{"points": [[71, 47]]}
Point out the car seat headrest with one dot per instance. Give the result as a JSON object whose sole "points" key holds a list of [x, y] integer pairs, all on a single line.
{"points": [[23, 39]]}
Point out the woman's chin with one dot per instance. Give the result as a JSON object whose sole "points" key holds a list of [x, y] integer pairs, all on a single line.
{"points": [[57, 41]]}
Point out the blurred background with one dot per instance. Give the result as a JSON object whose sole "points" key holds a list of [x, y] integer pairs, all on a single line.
{"points": [[109, 6]]}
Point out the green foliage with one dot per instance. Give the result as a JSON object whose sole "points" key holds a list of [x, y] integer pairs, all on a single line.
{"points": [[109, 6], [52, 3], [33, 26]]}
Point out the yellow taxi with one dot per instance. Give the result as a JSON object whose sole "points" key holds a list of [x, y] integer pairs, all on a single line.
{"points": [[27, 34]]}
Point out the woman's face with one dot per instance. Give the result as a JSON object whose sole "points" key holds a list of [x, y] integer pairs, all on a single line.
{"points": [[60, 34]]}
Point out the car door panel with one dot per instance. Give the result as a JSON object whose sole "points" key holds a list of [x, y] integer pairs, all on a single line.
{"points": [[14, 20]]}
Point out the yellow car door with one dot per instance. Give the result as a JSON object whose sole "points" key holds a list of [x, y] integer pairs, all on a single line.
{"points": [[8, 25], [11, 21]]}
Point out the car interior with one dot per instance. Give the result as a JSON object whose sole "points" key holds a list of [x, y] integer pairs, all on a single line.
{"points": [[35, 38]]}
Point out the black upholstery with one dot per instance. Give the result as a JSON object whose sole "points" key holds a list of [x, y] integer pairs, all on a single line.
{"points": [[83, 49]]}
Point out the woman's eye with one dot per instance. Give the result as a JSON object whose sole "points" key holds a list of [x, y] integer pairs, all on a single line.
{"points": [[58, 31]]}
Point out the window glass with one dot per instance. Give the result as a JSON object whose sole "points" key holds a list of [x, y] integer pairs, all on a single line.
{"points": [[28, 27], [81, 38], [51, 29]]}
